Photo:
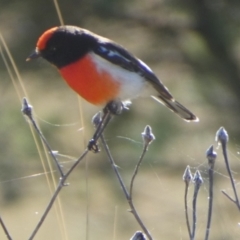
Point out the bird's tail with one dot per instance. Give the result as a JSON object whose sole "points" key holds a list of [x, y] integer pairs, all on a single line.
{"points": [[177, 108]]}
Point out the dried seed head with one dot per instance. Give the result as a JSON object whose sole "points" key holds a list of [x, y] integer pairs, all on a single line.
{"points": [[222, 136], [197, 178], [138, 236], [147, 135], [187, 176], [26, 108], [211, 155], [97, 118]]}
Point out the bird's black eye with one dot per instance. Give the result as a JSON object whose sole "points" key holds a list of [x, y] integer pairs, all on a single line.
{"points": [[53, 49]]}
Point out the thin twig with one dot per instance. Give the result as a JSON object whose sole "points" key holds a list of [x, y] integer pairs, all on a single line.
{"points": [[60, 185], [27, 110], [224, 148], [148, 137], [114, 107], [197, 179], [187, 177], [222, 137], [136, 169], [229, 197], [114, 166], [132, 207], [186, 209], [5, 229], [211, 156], [100, 128]]}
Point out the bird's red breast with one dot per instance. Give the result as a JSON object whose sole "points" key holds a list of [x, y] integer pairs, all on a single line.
{"points": [[94, 85]]}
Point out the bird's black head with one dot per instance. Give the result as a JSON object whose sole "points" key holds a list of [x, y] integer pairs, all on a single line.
{"points": [[64, 45]]}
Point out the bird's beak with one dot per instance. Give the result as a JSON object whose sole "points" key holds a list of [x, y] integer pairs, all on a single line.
{"points": [[34, 55]]}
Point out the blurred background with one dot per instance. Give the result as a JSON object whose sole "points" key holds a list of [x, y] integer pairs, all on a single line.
{"points": [[194, 48]]}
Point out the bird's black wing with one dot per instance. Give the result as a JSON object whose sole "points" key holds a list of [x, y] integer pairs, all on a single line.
{"points": [[116, 54]]}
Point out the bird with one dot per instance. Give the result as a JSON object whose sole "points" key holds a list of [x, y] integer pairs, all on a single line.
{"points": [[101, 70]]}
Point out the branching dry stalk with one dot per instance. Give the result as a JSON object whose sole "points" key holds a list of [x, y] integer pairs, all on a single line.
{"points": [[109, 111], [27, 110], [187, 178], [147, 135], [211, 156], [222, 138], [100, 124], [61, 184]]}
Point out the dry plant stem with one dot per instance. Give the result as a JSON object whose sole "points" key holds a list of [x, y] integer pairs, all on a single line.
{"points": [[127, 195], [197, 179], [187, 178], [105, 120], [60, 186], [48, 147], [27, 110], [210, 198], [136, 169], [186, 208], [100, 128], [194, 214], [236, 201], [5, 229], [231, 199], [112, 108], [211, 156]]}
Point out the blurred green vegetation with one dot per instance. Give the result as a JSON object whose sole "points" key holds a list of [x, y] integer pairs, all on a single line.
{"points": [[194, 48]]}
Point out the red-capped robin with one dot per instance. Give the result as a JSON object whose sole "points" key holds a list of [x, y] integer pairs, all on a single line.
{"points": [[101, 70]]}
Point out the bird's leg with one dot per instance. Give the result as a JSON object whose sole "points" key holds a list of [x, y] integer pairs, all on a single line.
{"points": [[112, 108], [115, 107]]}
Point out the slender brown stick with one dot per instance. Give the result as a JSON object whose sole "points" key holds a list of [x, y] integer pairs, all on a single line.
{"points": [[197, 179], [92, 145], [136, 169], [187, 177], [127, 195], [112, 108], [222, 137], [27, 110], [211, 156], [5, 229], [61, 184], [148, 137]]}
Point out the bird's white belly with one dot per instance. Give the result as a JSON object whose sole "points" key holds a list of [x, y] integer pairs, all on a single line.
{"points": [[132, 84]]}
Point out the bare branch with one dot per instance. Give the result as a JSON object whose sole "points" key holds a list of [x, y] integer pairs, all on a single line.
{"points": [[187, 178], [211, 156], [27, 110], [197, 180], [125, 191], [5, 229], [222, 138]]}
